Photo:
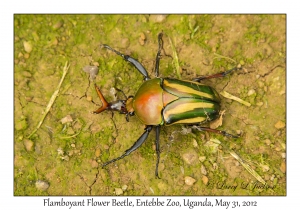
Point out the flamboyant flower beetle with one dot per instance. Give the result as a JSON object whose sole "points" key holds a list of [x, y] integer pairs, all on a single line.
{"points": [[166, 101]]}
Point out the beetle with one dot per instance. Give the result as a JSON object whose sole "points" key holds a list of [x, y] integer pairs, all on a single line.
{"points": [[166, 101]]}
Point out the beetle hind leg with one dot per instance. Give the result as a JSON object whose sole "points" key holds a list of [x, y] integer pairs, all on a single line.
{"points": [[224, 133], [221, 74], [158, 56]]}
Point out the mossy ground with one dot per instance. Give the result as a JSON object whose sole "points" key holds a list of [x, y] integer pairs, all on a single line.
{"points": [[69, 156]]}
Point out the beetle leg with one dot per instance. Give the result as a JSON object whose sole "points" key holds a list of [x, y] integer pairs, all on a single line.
{"points": [[215, 131], [157, 150], [221, 74], [135, 146], [160, 45], [131, 60]]}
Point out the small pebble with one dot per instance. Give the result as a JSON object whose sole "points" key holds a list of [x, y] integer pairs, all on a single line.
{"points": [[118, 191], [268, 142], [251, 92], [66, 119], [157, 18], [124, 187], [60, 151], [283, 155], [203, 170], [41, 185], [27, 46], [205, 180], [92, 70], [89, 98], [283, 167], [94, 164], [195, 144], [280, 125], [265, 168], [259, 103], [202, 159], [142, 39], [190, 157], [28, 145], [97, 153], [189, 180], [58, 25]]}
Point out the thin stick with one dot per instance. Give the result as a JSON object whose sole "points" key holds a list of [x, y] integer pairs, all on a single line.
{"points": [[228, 95], [242, 162], [175, 59], [52, 99]]}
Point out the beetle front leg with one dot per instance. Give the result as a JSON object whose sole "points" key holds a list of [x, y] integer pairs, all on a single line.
{"points": [[131, 60], [135, 146], [157, 150], [221, 74]]}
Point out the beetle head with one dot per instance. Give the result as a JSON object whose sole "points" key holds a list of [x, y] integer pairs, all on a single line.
{"points": [[119, 105]]}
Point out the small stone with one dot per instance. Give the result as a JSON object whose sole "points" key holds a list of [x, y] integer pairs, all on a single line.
{"points": [[60, 151], [195, 144], [268, 142], [205, 180], [97, 153], [203, 170], [118, 191], [259, 103], [26, 55], [189, 180], [73, 145], [58, 25], [251, 92], [89, 98], [27, 46], [280, 125], [28, 145], [142, 39], [190, 157], [283, 167], [94, 164], [124, 187], [283, 155], [66, 119], [41, 185], [92, 70], [265, 168], [66, 158], [202, 159], [157, 18]]}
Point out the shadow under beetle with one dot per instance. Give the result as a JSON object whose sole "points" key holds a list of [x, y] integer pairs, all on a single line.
{"points": [[166, 101]]}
